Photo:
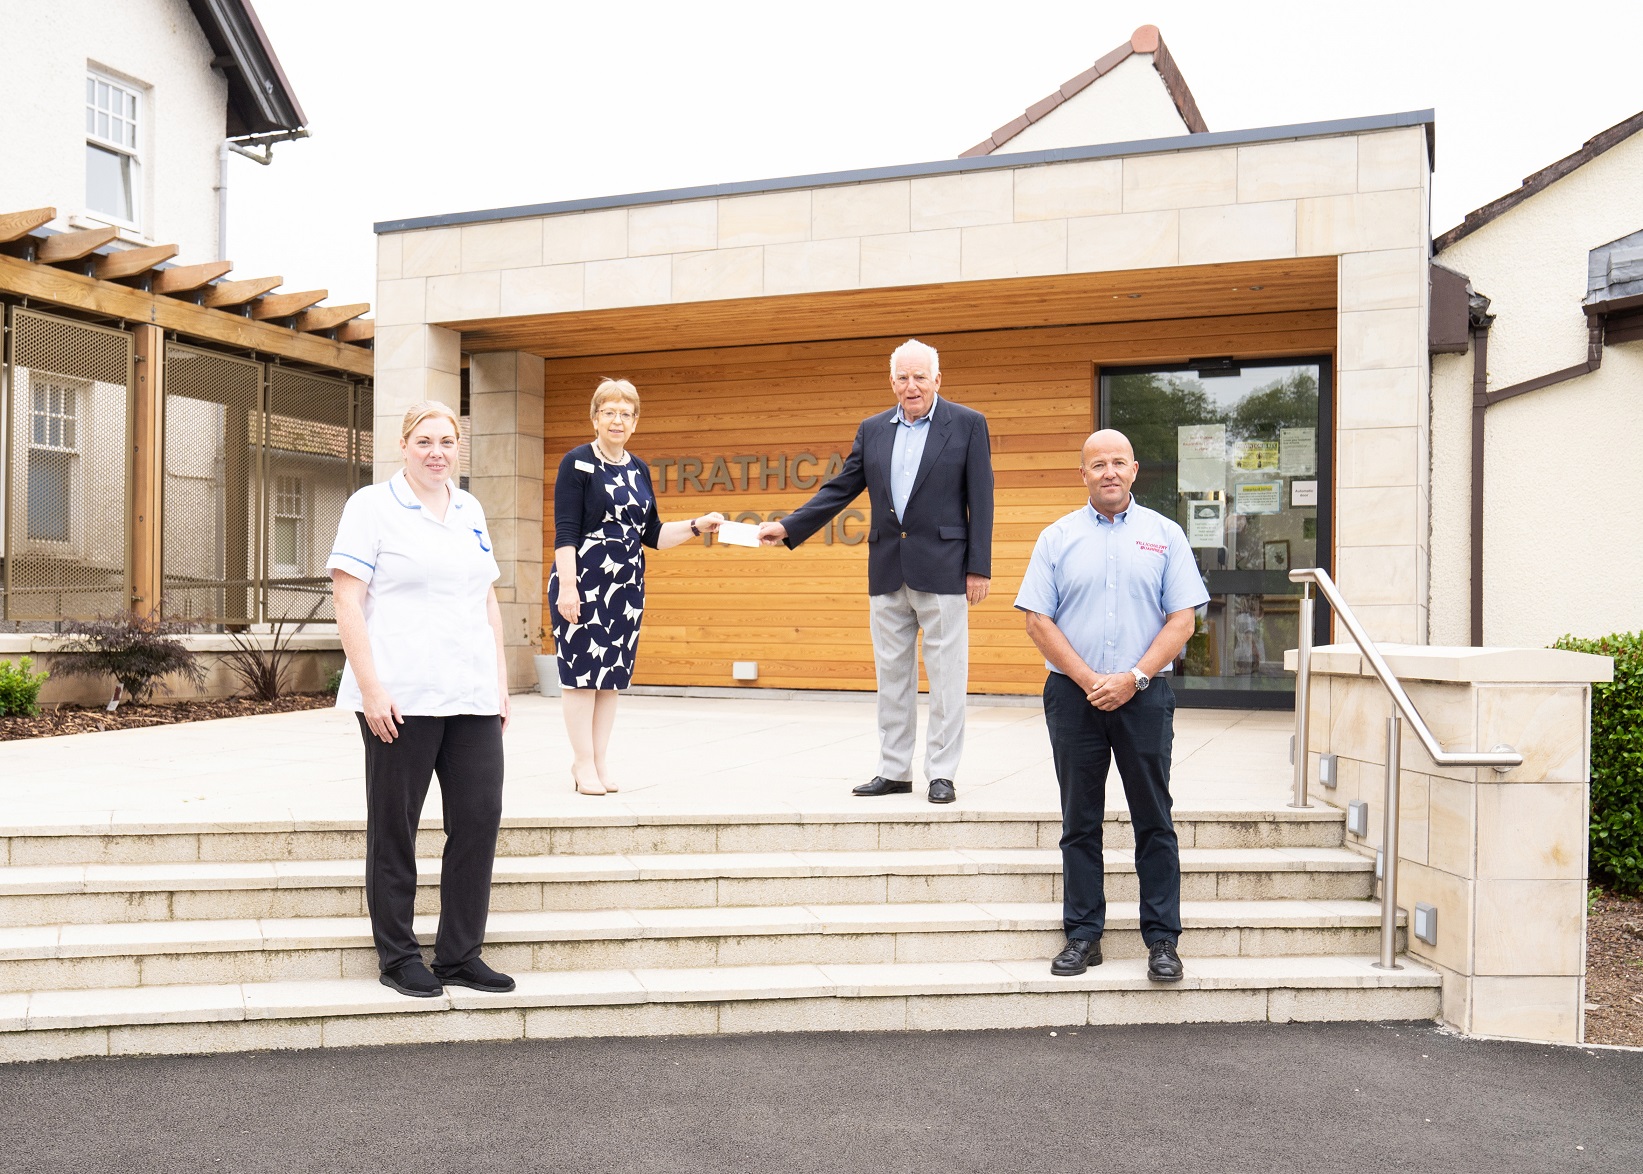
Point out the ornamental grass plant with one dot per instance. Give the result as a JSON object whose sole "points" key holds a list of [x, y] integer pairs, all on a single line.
{"points": [[1617, 762]]}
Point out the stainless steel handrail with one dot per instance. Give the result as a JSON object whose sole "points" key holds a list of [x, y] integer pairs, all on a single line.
{"points": [[1502, 758]]}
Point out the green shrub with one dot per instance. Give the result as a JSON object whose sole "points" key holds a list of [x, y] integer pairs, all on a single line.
{"points": [[333, 682], [136, 650], [20, 688], [1617, 762]]}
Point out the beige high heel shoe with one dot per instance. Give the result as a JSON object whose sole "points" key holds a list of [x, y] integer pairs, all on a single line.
{"points": [[576, 785]]}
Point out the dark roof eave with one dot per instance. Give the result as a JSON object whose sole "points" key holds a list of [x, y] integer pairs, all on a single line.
{"points": [[1541, 180], [1193, 142], [260, 98]]}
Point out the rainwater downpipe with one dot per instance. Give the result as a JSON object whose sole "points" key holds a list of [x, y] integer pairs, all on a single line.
{"points": [[241, 146], [1482, 400]]}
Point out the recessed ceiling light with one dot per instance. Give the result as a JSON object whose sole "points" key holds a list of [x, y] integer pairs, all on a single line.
{"points": [[1257, 287]]}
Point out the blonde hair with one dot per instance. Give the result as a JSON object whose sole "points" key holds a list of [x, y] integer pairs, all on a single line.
{"points": [[422, 412], [610, 389]]}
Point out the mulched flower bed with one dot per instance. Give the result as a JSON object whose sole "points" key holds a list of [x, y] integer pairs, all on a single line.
{"points": [[1614, 971], [78, 719]]}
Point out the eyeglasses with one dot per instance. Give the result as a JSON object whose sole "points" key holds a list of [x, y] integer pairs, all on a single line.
{"points": [[610, 414]]}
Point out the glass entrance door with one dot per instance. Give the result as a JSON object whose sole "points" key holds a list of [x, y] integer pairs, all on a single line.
{"points": [[1237, 453]]}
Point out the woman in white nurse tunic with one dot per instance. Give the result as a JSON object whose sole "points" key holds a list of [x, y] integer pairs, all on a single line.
{"points": [[412, 574]]}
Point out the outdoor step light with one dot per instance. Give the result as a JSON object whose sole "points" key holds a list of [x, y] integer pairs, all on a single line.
{"points": [[1426, 923], [744, 670], [1357, 817], [1326, 771]]}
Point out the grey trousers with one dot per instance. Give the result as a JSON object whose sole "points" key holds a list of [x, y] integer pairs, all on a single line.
{"points": [[897, 619]]}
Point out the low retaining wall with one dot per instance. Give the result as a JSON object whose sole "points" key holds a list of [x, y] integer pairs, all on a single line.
{"points": [[1500, 855], [313, 658]]}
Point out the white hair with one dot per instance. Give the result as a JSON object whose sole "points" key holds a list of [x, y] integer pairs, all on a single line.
{"points": [[914, 346]]}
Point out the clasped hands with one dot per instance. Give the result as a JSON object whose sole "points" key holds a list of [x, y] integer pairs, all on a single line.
{"points": [[1107, 691]]}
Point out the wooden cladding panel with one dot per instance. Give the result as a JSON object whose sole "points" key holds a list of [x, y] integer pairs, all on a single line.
{"points": [[803, 614]]}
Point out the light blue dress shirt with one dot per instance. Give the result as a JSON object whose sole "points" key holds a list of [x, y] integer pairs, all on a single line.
{"points": [[907, 453], [1109, 585]]}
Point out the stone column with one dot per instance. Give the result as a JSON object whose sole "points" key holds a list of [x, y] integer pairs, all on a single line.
{"points": [[414, 362], [1500, 856], [1381, 234], [505, 405]]}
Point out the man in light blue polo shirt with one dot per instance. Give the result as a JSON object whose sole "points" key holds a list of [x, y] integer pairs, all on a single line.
{"points": [[1109, 595]]}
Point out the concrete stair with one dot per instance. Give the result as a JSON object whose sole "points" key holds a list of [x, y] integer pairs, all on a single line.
{"points": [[189, 938]]}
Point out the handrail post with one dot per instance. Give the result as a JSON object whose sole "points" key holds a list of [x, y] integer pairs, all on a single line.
{"points": [[1303, 696], [1389, 845]]}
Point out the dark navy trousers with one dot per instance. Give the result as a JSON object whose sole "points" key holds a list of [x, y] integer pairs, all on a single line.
{"points": [[466, 752], [1085, 741]]}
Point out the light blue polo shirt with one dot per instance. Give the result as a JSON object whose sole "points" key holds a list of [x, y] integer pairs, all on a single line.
{"points": [[1109, 585]]}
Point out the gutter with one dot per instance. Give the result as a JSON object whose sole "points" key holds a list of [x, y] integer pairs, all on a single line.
{"points": [[1483, 399]]}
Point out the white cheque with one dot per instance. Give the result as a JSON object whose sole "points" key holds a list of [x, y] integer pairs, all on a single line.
{"points": [[738, 533]]}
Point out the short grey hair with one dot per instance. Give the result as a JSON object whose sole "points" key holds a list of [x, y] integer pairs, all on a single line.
{"points": [[914, 346]]}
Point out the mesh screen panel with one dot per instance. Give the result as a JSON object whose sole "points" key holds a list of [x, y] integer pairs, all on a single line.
{"points": [[66, 485], [208, 529], [310, 467]]}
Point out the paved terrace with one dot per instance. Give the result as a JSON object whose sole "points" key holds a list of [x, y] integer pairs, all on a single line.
{"points": [[730, 758]]}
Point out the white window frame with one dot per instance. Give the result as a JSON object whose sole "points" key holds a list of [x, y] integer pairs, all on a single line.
{"points": [[132, 150], [75, 453], [289, 504]]}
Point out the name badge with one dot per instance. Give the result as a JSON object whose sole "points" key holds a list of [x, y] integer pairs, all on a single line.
{"points": [[584, 466]]}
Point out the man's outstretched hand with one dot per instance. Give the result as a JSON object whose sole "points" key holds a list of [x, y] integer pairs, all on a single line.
{"points": [[771, 533]]}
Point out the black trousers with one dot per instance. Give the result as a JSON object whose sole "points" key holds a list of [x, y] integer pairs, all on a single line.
{"points": [[466, 752], [1084, 741]]}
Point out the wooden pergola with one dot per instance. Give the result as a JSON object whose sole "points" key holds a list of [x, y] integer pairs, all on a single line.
{"points": [[141, 289]]}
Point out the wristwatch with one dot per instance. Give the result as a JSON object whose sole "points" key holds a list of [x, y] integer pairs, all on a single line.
{"points": [[1141, 680]]}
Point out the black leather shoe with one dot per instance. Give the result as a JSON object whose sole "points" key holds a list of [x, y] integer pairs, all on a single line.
{"points": [[475, 975], [941, 791], [414, 979], [1163, 963], [883, 786], [1079, 956]]}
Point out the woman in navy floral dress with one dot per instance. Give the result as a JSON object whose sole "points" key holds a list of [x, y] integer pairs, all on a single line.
{"points": [[604, 507]]}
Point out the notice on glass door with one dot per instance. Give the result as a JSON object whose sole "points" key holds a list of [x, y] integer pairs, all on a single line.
{"points": [[1297, 451], [1259, 497], [1206, 527], [1201, 442]]}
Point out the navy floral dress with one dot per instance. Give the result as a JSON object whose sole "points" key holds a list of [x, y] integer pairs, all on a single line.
{"points": [[597, 652]]}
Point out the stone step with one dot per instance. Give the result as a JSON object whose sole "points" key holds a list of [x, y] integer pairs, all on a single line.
{"points": [[80, 894], [697, 1001], [65, 957], [918, 826]]}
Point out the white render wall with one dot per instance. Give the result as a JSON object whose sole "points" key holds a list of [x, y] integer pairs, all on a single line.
{"points": [[48, 45], [1362, 197], [1562, 510], [1127, 104]]}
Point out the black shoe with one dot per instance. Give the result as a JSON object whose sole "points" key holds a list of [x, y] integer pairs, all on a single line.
{"points": [[414, 979], [941, 791], [1163, 963], [475, 975], [883, 786], [1079, 956]]}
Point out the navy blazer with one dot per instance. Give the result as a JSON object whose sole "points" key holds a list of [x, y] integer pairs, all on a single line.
{"points": [[948, 530]]}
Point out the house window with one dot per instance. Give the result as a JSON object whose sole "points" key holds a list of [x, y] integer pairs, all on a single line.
{"points": [[53, 457], [113, 162], [290, 516]]}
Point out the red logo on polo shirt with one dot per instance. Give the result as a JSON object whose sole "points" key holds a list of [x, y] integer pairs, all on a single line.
{"points": [[1155, 547]]}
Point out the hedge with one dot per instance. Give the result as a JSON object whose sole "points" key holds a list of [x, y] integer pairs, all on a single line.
{"points": [[1617, 762]]}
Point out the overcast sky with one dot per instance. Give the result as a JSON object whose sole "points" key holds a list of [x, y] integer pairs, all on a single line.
{"points": [[420, 107]]}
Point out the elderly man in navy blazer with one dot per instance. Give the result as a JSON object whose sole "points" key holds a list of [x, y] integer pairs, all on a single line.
{"points": [[927, 467]]}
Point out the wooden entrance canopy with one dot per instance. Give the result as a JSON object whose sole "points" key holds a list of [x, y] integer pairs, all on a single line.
{"points": [[1133, 295]]}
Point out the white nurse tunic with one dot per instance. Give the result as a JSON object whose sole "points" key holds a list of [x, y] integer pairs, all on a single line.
{"points": [[425, 604]]}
